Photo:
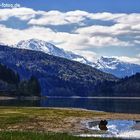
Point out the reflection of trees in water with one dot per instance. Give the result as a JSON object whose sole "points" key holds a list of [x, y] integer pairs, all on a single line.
{"points": [[109, 105], [19, 102]]}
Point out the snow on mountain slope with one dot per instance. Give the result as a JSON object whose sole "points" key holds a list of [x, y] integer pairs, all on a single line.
{"points": [[117, 67], [106, 64], [39, 45]]}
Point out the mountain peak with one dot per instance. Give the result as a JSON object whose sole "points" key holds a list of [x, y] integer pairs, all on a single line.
{"points": [[117, 67], [107, 62], [43, 46], [35, 44], [108, 59]]}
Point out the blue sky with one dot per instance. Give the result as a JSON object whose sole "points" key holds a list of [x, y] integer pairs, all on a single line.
{"points": [[115, 6], [90, 27]]}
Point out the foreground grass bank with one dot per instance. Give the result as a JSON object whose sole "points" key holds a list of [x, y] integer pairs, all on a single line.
{"points": [[42, 136], [49, 123], [43, 119]]}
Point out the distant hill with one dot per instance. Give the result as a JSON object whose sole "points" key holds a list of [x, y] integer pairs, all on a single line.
{"points": [[125, 87], [128, 86], [57, 76]]}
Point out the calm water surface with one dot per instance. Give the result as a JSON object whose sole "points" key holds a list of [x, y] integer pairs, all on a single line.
{"points": [[108, 105]]}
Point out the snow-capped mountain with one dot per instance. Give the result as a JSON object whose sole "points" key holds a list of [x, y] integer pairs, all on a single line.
{"points": [[106, 64], [117, 67], [39, 45], [43, 46]]}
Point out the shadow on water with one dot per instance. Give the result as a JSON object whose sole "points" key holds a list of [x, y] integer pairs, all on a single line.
{"points": [[20, 102], [108, 105]]}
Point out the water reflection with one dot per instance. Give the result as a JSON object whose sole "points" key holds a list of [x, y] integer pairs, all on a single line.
{"points": [[20, 102], [125, 129], [108, 105]]}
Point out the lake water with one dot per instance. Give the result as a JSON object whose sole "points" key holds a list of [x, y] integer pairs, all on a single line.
{"points": [[108, 105], [126, 129]]}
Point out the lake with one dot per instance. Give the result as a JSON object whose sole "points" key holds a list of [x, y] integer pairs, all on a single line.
{"points": [[100, 104]]}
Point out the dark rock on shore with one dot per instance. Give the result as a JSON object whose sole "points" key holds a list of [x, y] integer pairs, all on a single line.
{"points": [[103, 125]]}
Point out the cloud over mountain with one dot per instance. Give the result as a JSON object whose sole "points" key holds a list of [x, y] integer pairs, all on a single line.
{"points": [[73, 30]]}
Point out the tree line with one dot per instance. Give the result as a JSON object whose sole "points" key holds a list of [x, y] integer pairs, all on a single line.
{"points": [[128, 86], [28, 87]]}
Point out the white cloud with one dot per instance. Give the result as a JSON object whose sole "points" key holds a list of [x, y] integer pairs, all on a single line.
{"points": [[62, 39], [21, 13], [135, 60], [138, 55], [12, 36], [103, 41], [89, 55], [59, 18], [114, 30], [137, 42], [132, 19], [124, 31], [49, 18]]}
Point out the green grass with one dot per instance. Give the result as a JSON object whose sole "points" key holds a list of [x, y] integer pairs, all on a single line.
{"points": [[23, 123], [42, 136], [42, 119], [14, 116], [10, 120]]}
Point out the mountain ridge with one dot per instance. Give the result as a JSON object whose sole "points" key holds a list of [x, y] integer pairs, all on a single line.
{"points": [[106, 64], [116, 67]]}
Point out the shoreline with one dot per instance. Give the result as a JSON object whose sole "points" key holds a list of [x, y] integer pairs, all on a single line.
{"points": [[59, 97], [103, 97], [107, 115], [7, 98], [20, 97]]}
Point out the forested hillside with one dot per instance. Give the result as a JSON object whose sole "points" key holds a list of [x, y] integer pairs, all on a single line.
{"points": [[57, 76], [126, 87], [30, 73], [10, 84]]}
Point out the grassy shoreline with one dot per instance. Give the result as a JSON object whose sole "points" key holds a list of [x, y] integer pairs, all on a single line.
{"points": [[64, 121], [16, 135]]}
